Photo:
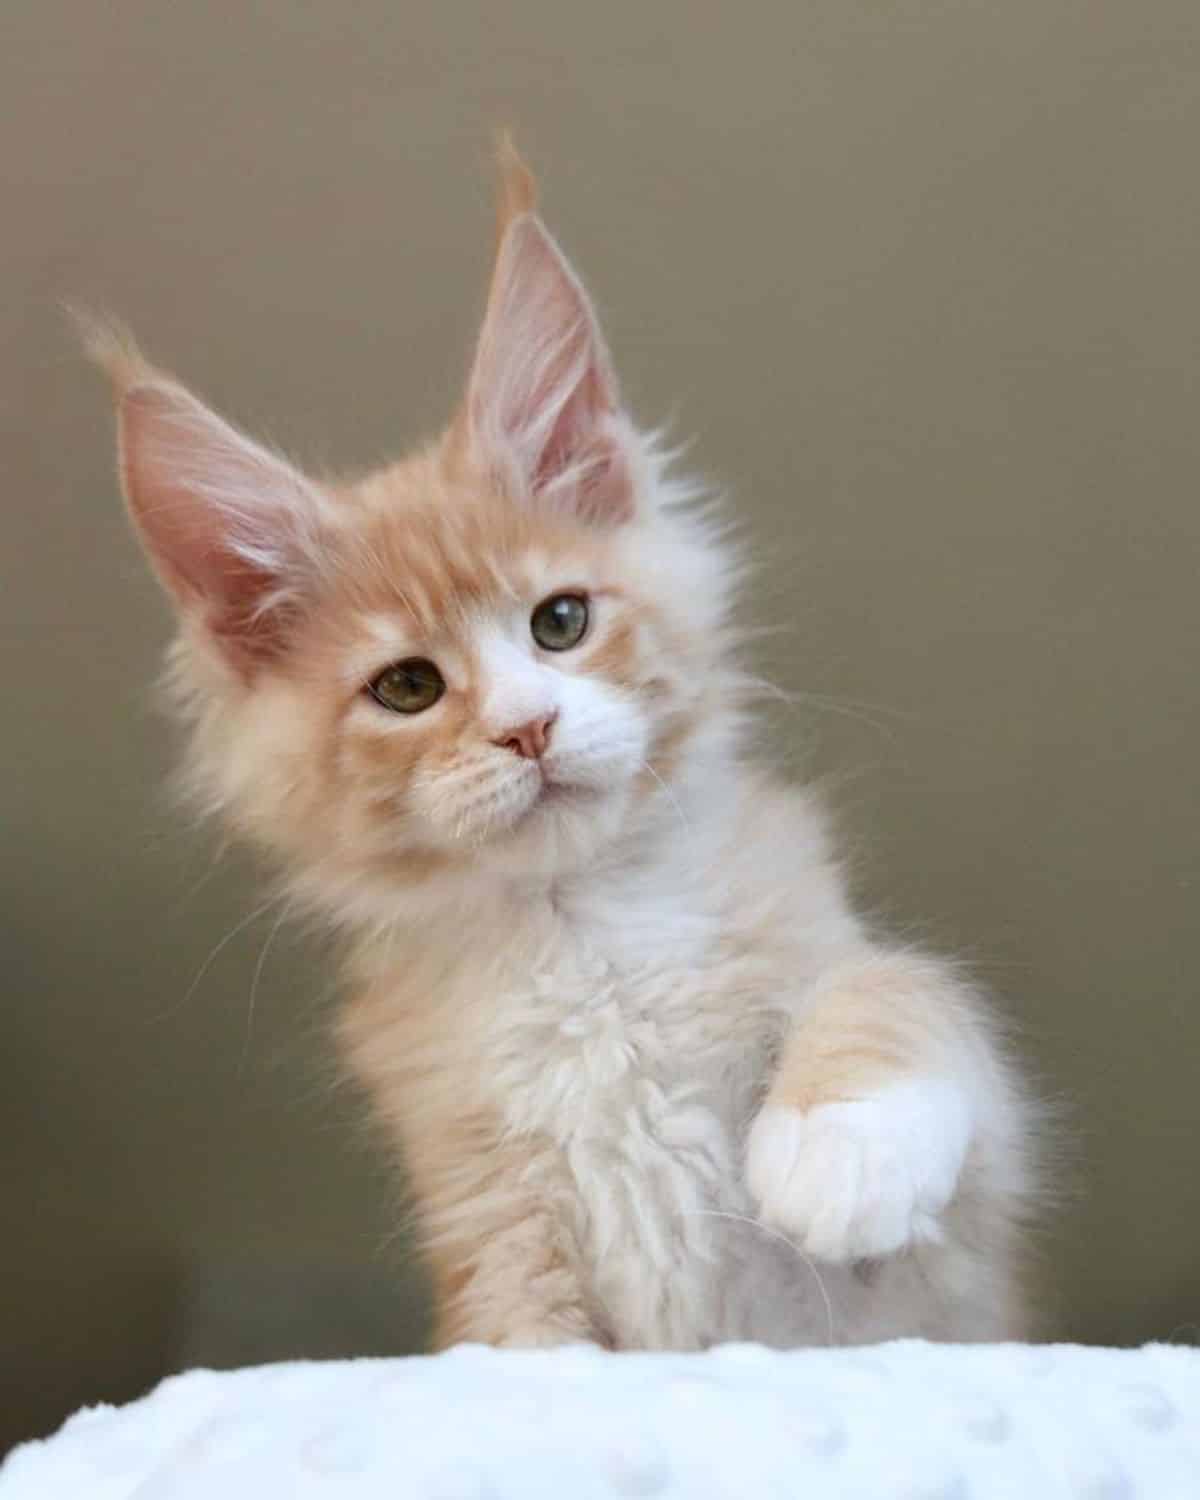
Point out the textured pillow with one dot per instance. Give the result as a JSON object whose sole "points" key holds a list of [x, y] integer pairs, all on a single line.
{"points": [[903, 1421]]}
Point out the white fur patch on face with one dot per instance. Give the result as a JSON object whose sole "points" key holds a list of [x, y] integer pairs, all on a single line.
{"points": [[596, 745], [865, 1177], [600, 737]]}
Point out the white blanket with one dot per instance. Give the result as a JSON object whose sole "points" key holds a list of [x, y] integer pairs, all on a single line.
{"points": [[903, 1421]]}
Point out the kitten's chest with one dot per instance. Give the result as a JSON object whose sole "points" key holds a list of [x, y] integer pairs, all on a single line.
{"points": [[631, 1066], [627, 1029]]}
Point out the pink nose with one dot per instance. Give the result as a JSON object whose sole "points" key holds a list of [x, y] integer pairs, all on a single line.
{"points": [[529, 740]]}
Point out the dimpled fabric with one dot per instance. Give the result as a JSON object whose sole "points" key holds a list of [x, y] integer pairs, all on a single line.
{"points": [[900, 1421]]}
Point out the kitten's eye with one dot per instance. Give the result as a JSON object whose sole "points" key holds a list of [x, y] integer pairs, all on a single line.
{"points": [[558, 623], [408, 687]]}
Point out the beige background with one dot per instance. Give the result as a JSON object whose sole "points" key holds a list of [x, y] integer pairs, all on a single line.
{"points": [[921, 276]]}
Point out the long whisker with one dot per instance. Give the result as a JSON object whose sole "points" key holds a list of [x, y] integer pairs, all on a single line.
{"points": [[870, 714], [670, 796], [218, 950], [714, 1213], [258, 969]]}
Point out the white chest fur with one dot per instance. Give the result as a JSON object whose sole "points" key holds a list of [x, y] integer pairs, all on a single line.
{"points": [[629, 1051]]}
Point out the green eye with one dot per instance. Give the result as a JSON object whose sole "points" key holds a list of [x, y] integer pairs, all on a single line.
{"points": [[408, 687], [558, 623]]}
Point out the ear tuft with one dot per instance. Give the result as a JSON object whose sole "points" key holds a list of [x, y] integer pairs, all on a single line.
{"points": [[108, 343], [517, 187], [542, 414]]}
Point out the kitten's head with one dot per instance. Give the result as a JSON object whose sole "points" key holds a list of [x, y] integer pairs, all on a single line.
{"points": [[503, 653]]}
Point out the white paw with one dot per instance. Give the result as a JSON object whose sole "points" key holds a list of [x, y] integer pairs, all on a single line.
{"points": [[861, 1179]]}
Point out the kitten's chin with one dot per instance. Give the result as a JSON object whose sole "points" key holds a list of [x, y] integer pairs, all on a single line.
{"points": [[547, 795], [565, 825], [555, 806]]}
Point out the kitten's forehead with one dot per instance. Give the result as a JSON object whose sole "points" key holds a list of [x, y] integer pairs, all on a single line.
{"points": [[432, 552]]}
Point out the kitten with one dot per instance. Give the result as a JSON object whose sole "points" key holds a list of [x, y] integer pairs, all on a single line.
{"points": [[655, 1084]]}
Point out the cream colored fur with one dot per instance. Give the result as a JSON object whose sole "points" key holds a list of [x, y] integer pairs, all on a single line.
{"points": [[654, 1082]]}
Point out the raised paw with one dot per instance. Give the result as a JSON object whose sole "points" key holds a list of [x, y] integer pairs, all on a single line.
{"points": [[860, 1178]]}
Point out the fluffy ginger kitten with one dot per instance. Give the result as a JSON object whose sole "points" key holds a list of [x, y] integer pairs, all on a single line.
{"points": [[654, 1083]]}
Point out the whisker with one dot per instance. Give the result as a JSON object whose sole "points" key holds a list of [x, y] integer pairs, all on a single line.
{"points": [[489, 797], [258, 969], [860, 713], [191, 894], [714, 1213], [448, 780], [218, 950], [670, 795]]}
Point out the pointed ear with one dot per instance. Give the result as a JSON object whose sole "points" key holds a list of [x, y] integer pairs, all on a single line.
{"points": [[231, 528], [542, 411]]}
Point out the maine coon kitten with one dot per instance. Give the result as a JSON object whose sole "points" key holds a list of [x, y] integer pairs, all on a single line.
{"points": [[654, 1082]]}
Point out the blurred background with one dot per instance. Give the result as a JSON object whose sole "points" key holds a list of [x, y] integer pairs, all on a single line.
{"points": [[922, 280]]}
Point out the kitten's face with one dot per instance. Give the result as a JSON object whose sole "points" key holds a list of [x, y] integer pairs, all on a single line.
{"points": [[494, 653], [498, 683]]}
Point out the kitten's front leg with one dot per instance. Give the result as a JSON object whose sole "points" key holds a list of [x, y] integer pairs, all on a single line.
{"points": [[516, 1288], [492, 1207], [888, 1095], [506, 1268]]}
